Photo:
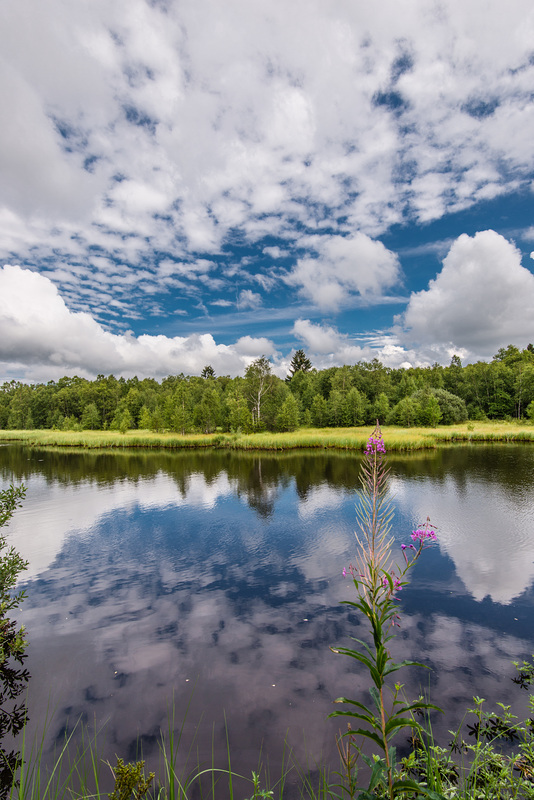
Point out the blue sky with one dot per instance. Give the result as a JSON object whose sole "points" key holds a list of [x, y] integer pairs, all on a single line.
{"points": [[196, 182]]}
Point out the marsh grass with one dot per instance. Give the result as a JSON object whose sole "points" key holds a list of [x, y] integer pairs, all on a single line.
{"points": [[78, 771], [398, 439]]}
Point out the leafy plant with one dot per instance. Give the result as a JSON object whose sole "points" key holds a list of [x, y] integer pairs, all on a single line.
{"points": [[130, 781], [377, 580], [13, 675], [494, 760]]}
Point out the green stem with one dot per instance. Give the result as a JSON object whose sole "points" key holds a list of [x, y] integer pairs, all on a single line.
{"points": [[384, 738]]}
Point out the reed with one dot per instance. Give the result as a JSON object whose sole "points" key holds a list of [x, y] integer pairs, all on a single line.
{"points": [[398, 439], [78, 772]]}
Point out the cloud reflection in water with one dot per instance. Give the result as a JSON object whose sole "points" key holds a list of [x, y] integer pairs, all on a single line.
{"points": [[221, 588]]}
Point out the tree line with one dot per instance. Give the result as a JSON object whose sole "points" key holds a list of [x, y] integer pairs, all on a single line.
{"points": [[351, 395]]}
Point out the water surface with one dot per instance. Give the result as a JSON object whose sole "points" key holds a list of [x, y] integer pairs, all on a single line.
{"points": [[211, 582]]}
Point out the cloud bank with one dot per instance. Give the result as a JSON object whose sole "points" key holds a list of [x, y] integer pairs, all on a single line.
{"points": [[169, 160], [481, 300], [42, 339], [140, 134]]}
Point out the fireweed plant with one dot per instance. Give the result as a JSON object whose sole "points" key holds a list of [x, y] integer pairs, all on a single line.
{"points": [[378, 579]]}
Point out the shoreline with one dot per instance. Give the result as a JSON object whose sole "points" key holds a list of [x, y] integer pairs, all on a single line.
{"points": [[397, 439]]}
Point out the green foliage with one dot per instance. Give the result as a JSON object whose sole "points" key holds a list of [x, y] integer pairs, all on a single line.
{"points": [[354, 394], [259, 383], [377, 579], [122, 419], [130, 781], [355, 407], [288, 417], [430, 411], [299, 363], [90, 418], [453, 408], [493, 760], [13, 676], [207, 414], [380, 409], [405, 413], [70, 424], [258, 792], [337, 409], [319, 411], [145, 419], [239, 418]]}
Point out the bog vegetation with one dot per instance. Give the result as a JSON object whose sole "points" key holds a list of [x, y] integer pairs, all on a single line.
{"points": [[259, 401]]}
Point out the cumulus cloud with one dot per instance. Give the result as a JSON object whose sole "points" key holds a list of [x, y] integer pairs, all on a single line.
{"points": [[343, 266], [249, 299], [327, 347], [255, 346], [319, 339], [139, 144], [482, 299], [137, 118], [41, 338]]}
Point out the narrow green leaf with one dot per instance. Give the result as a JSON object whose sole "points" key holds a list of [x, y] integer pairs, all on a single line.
{"points": [[379, 767], [369, 735], [408, 786], [400, 722], [355, 715], [417, 705], [376, 697], [358, 656], [354, 703], [400, 664]]}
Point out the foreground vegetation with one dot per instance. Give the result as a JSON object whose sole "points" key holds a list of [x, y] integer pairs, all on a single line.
{"points": [[318, 438]]}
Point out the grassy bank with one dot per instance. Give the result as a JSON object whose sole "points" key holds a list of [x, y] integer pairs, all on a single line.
{"points": [[321, 438]]}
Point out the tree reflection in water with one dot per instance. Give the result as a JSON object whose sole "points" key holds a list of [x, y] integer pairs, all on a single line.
{"points": [[153, 572]]}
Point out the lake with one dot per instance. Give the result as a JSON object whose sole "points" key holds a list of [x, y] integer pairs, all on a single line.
{"points": [[210, 583]]}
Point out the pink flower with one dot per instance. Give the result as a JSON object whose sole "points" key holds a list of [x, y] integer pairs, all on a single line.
{"points": [[421, 535], [375, 445]]}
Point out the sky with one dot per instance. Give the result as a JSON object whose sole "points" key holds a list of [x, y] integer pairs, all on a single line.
{"points": [[191, 182]]}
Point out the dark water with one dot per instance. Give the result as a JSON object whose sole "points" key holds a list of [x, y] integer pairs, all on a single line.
{"points": [[210, 582]]}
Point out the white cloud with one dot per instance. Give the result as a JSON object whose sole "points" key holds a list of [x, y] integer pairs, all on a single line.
{"points": [[343, 266], [136, 134], [41, 339], [220, 126], [326, 347], [481, 300], [318, 338], [275, 252], [254, 347], [249, 299]]}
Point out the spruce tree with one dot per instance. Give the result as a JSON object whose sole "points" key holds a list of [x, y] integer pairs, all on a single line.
{"points": [[299, 363]]}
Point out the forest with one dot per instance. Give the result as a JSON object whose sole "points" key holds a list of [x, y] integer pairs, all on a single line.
{"points": [[345, 396]]}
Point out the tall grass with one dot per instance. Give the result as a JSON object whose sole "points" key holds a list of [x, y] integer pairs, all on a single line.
{"points": [[305, 438], [78, 771]]}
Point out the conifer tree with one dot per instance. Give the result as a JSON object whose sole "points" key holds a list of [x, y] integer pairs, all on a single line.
{"points": [[299, 363]]}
